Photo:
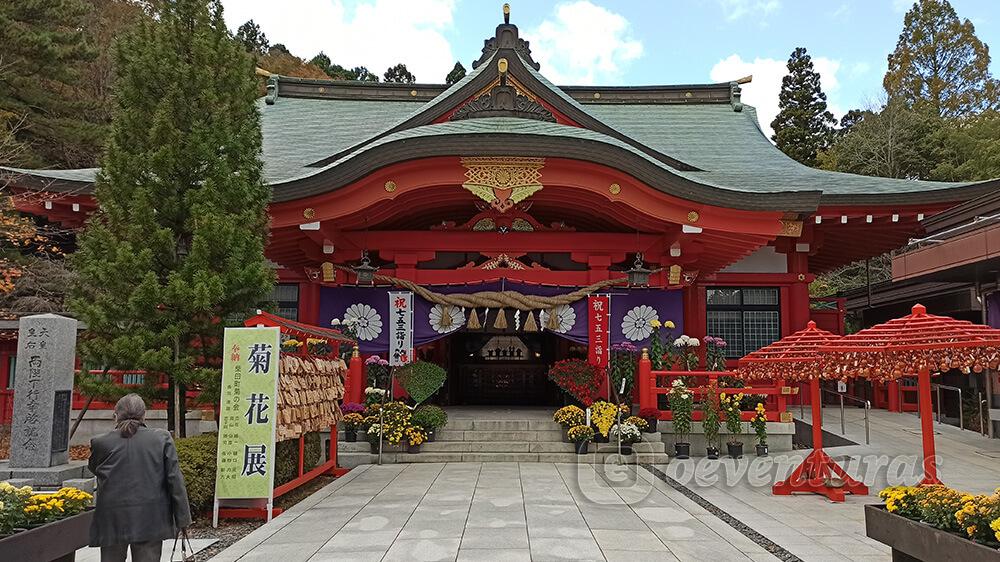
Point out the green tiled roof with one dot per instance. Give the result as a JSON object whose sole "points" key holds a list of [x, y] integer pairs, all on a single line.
{"points": [[734, 153], [299, 131]]}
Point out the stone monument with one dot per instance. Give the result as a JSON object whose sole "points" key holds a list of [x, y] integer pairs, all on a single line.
{"points": [[43, 395]]}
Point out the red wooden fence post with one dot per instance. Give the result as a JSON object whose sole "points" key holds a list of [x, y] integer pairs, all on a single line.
{"points": [[647, 382], [780, 399], [355, 378], [893, 392], [927, 427]]}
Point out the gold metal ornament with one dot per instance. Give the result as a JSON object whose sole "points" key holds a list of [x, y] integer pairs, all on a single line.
{"points": [[503, 181], [390, 186], [309, 212], [693, 216], [615, 189]]}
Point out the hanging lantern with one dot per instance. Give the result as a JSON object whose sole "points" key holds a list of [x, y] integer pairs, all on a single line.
{"points": [[365, 271], [638, 276]]}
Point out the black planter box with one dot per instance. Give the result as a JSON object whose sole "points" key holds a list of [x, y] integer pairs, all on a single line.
{"points": [[913, 541], [56, 541]]}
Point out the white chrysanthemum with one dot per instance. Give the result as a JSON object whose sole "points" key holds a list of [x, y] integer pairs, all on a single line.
{"points": [[638, 322], [565, 318], [367, 320], [437, 319]]}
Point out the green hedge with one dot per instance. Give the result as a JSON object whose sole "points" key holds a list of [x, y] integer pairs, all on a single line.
{"points": [[286, 458], [197, 457]]}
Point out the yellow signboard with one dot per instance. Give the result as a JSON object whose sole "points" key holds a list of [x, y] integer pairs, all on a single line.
{"points": [[248, 414]]}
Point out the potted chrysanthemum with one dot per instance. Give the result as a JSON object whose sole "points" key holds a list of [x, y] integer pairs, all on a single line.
{"points": [[581, 435], [759, 424], [734, 425], [569, 417], [681, 401], [352, 422], [711, 420], [628, 434]]}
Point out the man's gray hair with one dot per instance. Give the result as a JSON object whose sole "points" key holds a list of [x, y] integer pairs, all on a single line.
{"points": [[130, 413]]}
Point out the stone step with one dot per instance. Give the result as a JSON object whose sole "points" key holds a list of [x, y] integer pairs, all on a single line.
{"points": [[491, 435], [502, 447], [351, 460]]}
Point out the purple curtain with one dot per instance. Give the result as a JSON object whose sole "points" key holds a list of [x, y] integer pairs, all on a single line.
{"points": [[631, 310], [993, 310]]}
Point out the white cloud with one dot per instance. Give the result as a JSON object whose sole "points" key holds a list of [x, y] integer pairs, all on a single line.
{"points": [[376, 34], [736, 9], [582, 43], [762, 92], [902, 5]]}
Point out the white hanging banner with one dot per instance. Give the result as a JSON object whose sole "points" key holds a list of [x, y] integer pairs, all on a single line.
{"points": [[400, 328]]}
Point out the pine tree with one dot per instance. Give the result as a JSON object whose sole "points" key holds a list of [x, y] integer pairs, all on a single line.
{"points": [[399, 74], [941, 63], [363, 74], [254, 40], [177, 245], [456, 74], [803, 126], [42, 47]]}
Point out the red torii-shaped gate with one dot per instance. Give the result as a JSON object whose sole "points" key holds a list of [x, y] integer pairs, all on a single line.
{"points": [[917, 341], [795, 357]]}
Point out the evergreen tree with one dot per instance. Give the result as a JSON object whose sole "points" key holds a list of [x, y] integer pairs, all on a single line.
{"points": [[334, 71], [399, 74], [940, 62], [803, 126], [894, 142], [456, 74], [177, 244], [42, 47], [254, 40], [363, 74]]}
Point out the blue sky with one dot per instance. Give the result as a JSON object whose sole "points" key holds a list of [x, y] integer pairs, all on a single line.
{"points": [[618, 42]]}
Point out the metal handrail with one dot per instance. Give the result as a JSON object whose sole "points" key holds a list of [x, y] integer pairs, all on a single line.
{"points": [[937, 389], [843, 424]]}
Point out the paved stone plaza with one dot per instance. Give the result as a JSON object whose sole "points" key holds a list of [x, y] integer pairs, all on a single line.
{"points": [[545, 511], [496, 512]]}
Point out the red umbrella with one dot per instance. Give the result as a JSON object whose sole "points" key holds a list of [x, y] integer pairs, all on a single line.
{"points": [[921, 343], [796, 357]]}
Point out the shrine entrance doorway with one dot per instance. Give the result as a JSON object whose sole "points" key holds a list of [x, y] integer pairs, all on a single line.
{"points": [[504, 369]]}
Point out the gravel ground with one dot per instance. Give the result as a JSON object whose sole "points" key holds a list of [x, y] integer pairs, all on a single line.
{"points": [[756, 537], [230, 531]]}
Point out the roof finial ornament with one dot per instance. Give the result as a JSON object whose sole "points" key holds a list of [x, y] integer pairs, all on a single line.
{"points": [[734, 96], [272, 89], [506, 13]]}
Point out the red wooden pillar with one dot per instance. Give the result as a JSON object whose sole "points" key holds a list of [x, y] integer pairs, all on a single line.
{"points": [[309, 303], [780, 399], [647, 382], [798, 293], [355, 379], [893, 390], [927, 428]]}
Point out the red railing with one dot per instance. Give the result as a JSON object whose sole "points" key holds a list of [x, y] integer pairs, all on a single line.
{"points": [[653, 384]]}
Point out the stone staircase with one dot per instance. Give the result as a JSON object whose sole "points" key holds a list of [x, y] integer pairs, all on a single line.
{"points": [[484, 440]]}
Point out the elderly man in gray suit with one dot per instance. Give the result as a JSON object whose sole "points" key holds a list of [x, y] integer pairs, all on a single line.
{"points": [[141, 499]]}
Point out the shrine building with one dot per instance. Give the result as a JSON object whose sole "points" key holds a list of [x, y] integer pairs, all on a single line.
{"points": [[506, 183]]}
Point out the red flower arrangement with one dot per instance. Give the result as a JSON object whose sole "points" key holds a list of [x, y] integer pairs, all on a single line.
{"points": [[578, 378], [649, 413]]}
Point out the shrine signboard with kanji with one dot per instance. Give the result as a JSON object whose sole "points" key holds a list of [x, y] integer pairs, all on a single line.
{"points": [[248, 414], [401, 328], [599, 336]]}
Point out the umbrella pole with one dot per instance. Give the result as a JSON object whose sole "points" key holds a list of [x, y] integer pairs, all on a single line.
{"points": [[927, 427], [815, 399], [817, 470]]}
